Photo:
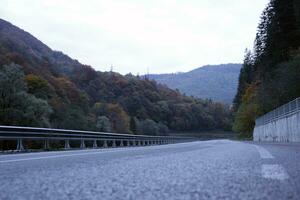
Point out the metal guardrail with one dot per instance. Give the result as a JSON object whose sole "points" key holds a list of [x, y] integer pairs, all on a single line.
{"points": [[280, 112], [46, 134]]}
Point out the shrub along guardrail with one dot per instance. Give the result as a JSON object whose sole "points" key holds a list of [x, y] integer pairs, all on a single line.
{"points": [[107, 139]]}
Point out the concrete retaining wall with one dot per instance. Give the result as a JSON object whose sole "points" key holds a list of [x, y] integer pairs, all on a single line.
{"points": [[286, 129]]}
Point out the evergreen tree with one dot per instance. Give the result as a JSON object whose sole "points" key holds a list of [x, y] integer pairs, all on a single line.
{"points": [[245, 78], [272, 77]]}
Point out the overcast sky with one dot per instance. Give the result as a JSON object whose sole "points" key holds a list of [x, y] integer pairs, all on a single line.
{"points": [[133, 35]]}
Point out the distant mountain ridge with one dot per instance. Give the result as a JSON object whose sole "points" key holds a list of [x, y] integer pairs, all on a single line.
{"points": [[216, 82]]}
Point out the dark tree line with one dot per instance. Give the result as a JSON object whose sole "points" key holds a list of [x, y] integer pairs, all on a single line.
{"points": [[271, 71]]}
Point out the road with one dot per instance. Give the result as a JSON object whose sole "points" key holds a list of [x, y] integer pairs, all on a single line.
{"points": [[218, 169]]}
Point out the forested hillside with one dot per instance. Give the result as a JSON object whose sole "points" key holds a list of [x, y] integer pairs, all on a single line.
{"points": [[271, 71], [216, 82], [46, 88]]}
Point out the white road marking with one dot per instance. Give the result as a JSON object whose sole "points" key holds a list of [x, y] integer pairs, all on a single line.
{"points": [[274, 171], [55, 156], [264, 154], [83, 152], [68, 154]]}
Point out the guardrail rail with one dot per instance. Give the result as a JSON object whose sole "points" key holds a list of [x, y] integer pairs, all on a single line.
{"points": [[280, 112], [107, 139]]}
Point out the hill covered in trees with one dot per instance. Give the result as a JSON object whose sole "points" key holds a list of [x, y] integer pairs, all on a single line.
{"points": [[271, 71], [45, 88], [216, 82]]}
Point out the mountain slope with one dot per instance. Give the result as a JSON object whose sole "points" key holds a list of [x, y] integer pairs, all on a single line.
{"points": [[216, 82], [75, 96]]}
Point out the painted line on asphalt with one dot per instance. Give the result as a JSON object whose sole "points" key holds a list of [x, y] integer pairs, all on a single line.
{"points": [[93, 150], [68, 154], [274, 171], [55, 156], [86, 152], [264, 154]]}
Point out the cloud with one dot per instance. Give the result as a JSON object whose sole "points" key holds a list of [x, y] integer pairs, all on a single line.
{"points": [[133, 35]]}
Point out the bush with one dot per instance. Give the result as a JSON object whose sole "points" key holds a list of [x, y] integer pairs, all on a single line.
{"points": [[103, 124]]}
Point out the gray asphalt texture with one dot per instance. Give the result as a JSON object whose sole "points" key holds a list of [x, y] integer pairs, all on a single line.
{"points": [[218, 169]]}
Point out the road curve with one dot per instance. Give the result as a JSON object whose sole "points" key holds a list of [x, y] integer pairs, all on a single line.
{"points": [[217, 169]]}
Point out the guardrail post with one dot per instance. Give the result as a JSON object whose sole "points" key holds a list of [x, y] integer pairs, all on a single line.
{"points": [[46, 144], [139, 143], [95, 144], [20, 146], [121, 143], [105, 144], [114, 143], [133, 143], [128, 143], [67, 144], [82, 144]]}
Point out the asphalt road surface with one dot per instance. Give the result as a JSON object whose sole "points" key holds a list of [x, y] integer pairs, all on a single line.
{"points": [[218, 169]]}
